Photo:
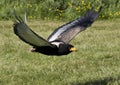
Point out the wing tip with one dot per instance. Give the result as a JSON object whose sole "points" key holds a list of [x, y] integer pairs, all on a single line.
{"points": [[92, 13], [93, 10], [17, 21], [18, 18], [100, 9]]}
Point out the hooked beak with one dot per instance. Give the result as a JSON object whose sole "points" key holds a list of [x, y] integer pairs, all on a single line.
{"points": [[73, 49]]}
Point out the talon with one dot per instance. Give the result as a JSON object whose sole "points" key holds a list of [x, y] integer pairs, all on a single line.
{"points": [[32, 49]]}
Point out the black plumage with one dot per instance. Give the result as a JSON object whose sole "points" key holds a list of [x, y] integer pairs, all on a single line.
{"points": [[58, 42]]}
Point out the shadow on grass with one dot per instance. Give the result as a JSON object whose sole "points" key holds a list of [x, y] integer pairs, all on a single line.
{"points": [[104, 81]]}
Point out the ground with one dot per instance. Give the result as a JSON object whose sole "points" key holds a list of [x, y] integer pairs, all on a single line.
{"points": [[97, 61]]}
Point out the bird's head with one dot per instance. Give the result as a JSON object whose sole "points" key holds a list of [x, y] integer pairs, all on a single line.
{"points": [[66, 48]]}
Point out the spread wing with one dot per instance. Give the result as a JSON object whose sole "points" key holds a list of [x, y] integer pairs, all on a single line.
{"points": [[27, 35], [68, 31]]}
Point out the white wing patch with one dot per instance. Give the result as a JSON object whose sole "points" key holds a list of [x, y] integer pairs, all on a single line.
{"points": [[57, 43]]}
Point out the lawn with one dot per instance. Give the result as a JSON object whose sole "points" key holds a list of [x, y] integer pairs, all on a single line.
{"points": [[97, 61]]}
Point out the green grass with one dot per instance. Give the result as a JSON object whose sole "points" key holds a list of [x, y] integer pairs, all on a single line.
{"points": [[57, 9], [97, 61]]}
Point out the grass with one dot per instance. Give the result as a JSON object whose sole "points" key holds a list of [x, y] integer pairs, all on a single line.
{"points": [[97, 61], [58, 9]]}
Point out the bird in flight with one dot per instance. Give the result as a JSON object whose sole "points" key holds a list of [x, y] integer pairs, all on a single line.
{"points": [[58, 43]]}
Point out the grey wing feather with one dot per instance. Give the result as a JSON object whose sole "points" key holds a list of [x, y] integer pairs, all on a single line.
{"points": [[68, 31], [27, 35]]}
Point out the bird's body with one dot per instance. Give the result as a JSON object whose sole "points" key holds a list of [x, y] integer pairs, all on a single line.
{"points": [[60, 48], [58, 42]]}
